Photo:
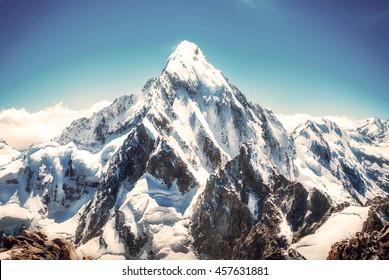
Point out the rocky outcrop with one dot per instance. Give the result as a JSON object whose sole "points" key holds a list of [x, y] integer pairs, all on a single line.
{"points": [[220, 221], [372, 243], [378, 214], [36, 246], [364, 246], [281, 254], [170, 168], [211, 152], [133, 244]]}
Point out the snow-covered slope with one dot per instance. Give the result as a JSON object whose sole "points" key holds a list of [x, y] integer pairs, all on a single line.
{"points": [[152, 174], [7, 153], [343, 162], [338, 227], [375, 129], [109, 123]]}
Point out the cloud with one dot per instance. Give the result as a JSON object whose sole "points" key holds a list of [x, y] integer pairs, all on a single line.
{"points": [[290, 122], [20, 128]]}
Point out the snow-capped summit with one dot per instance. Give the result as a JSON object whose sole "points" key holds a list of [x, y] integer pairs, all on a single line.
{"points": [[188, 63], [188, 51]]}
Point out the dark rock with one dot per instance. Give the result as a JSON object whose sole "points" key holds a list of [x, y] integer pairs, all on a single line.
{"points": [[378, 214], [102, 243], [281, 254], [318, 206], [13, 181], [353, 179], [132, 244], [221, 220], [322, 152], [170, 168], [223, 226], [296, 213], [364, 246], [209, 149], [36, 246], [101, 131]]}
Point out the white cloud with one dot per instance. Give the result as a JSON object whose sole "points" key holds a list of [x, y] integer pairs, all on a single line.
{"points": [[20, 128], [290, 122]]}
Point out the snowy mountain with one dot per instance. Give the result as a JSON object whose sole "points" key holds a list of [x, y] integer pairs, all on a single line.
{"points": [[7, 153], [335, 158], [190, 169]]}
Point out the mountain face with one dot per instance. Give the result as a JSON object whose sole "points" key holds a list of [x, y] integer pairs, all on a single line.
{"points": [[190, 169], [351, 161]]}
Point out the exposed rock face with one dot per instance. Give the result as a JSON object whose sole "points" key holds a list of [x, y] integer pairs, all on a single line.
{"points": [[378, 214], [221, 220], [298, 208], [35, 246], [211, 152], [240, 211], [170, 168], [133, 244], [373, 242], [126, 167]]}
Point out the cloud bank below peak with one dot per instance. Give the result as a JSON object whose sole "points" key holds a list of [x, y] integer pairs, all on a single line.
{"points": [[21, 129]]}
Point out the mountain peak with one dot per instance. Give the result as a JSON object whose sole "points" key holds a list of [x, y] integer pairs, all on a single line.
{"points": [[187, 51], [188, 63]]}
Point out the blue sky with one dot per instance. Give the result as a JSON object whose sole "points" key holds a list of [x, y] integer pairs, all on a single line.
{"points": [[307, 56]]}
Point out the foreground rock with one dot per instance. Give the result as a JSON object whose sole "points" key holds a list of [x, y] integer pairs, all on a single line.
{"points": [[372, 243], [36, 246], [364, 246], [290, 254]]}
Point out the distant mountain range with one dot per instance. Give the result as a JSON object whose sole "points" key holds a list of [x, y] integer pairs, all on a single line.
{"points": [[190, 169]]}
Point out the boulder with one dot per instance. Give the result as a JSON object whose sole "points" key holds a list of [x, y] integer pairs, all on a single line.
{"points": [[36, 246]]}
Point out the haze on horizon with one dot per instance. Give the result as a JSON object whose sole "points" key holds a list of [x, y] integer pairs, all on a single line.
{"points": [[313, 57]]}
